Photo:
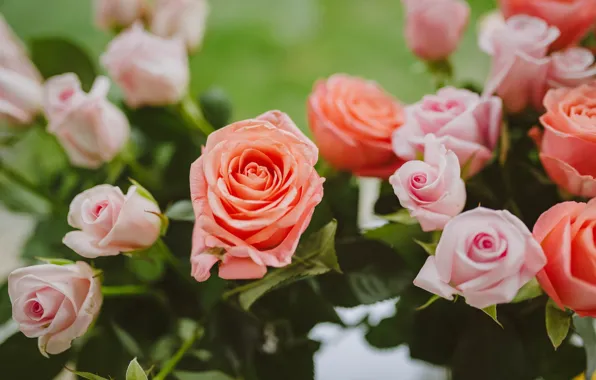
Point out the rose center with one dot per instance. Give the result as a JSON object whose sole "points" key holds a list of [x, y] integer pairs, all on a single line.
{"points": [[35, 309], [484, 242], [98, 208], [418, 180], [66, 94]]}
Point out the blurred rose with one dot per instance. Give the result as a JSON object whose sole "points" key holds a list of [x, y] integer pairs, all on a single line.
{"points": [[118, 13], [485, 256], [54, 303], [352, 120], [90, 128], [254, 190], [435, 27], [21, 88], [571, 68], [184, 19], [431, 190], [464, 122], [519, 62], [111, 222], [151, 70], [566, 233], [573, 17], [569, 141]]}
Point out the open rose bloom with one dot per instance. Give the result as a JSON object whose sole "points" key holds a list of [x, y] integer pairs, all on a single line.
{"points": [[254, 190]]}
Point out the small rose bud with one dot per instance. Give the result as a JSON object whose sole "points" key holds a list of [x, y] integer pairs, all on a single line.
{"points": [[118, 13], [184, 19]]}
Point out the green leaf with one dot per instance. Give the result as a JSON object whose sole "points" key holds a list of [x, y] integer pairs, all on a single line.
{"points": [[313, 257], [530, 290], [585, 327], [429, 248], [505, 144], [388, 333], [135, 371], [142, 191], [401, 237], [148, 265], [465, 169], [55, 56], [181, 211], [87, 375], [402, 216], [558, 323], [21, 360], [5, 304], [491, 311], [430, 301], [208, 375], [216, 107], [55, 261], [128, 342]]}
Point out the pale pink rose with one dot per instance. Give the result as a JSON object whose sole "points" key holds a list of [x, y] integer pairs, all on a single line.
{"points": [[571, 68], [111, 222], [91, 130], [464, 122], [254, 190], [54, 303], [118, 13], [434, 28], [485, 256], [185, 19], [21, 88], [572, 17], [519, 60], [569, 141], [432, 190], [151, 70]]}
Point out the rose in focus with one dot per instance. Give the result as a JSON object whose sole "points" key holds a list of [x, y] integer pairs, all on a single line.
{"points": [[254, 189], [54, 303]]}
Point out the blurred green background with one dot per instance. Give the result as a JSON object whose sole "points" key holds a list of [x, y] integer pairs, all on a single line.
{"points": [[266, 54]]}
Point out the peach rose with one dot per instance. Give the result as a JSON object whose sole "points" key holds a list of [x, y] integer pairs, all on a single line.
{"points": [[254, 189], [55, 303], [573, 17], [569, 141], [184, 19], [111, 222], [352, 120], [566, 233]]}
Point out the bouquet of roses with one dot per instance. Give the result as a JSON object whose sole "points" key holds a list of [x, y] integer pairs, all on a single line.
{"points": [[172, 243]]}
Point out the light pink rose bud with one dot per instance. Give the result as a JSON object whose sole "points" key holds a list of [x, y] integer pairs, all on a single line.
{"points": [[118, 13], [571, 68], [151, 70], [90, 128], [21, 90], [464, 122], [485, 256], [111, 222], [184, 19], [519, 62], [54, 303], [435, 27], [431, 190]]}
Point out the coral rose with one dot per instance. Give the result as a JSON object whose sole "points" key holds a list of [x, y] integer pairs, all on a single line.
{"points": [[352, 120], [254, 189], [566, 233]]}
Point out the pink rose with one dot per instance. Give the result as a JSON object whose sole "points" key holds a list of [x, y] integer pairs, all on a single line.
{"points": [[434, 28], [90, 128], [118, 13], [111, 222], [254, 190], [464, 122], [54, 303], [352, 120], [185, 19], [485, 256], [20, 82], [519, 62], [571, 68], [151, 70], [431, 190], [566, 233], [572, 17], [569, 141]]}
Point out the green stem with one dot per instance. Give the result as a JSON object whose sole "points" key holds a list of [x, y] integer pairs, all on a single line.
{"points": [[25, 183], [442, 72], [585, 329], [169, 258], [124, 290], [169, 366], [193, 116]]}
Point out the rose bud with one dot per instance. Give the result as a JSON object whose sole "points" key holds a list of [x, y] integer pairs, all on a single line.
{"points": [[151, 70], [184, 19], [54, 303], [111, 222], [519, 62], [431, 190], [434, 28], [352, 120], [21, 88], [573, 18], [254, 190], [565, 232], [485, 256], [464, 122], [111, 14], [571, 68], [91, 130]]}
